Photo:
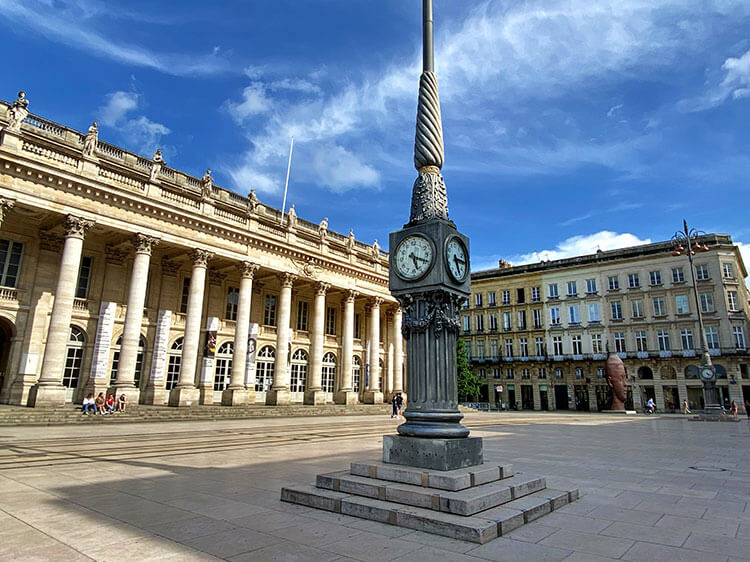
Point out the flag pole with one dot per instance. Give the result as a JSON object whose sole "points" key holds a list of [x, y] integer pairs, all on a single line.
{"points": [[286, 184]]}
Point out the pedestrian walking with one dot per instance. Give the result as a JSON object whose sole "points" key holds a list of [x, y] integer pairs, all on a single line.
{"points": [[399, 402], [733, 409], [394, 405], [686, 408]]}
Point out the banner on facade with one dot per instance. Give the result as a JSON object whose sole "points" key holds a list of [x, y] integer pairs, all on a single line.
{"points": [[161, 341], [103, 341], [252, 348], [209, 350]]}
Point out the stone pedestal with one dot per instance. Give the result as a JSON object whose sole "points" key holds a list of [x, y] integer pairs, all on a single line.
{"points": [[154, 396], [346, 397], [184, 396], [132, 394], [20, 389], [435, 454], [373, 397], [206, 395], [235, 397], [278, 398], [47, 395], [315, 397]]}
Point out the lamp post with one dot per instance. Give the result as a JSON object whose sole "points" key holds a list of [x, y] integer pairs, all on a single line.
{"points": [[686, 242]]}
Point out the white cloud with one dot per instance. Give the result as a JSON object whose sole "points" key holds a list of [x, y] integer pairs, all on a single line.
{"points": [[613, 109], [341, 170], [254, 102], [139, 131], [734, 85]]}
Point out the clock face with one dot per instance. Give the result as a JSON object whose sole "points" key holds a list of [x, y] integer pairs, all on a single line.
{"points": [[457, 258], [707, 373], [413, 257]]}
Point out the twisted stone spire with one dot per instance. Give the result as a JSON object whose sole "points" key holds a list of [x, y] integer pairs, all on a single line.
{"points": [[429, 198]]}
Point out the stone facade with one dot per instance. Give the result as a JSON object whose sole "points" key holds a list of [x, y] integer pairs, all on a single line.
{"points": [[118, 276], [541, 331]]}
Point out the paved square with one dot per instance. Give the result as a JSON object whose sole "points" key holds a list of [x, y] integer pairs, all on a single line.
{"points": [[652, 489]]}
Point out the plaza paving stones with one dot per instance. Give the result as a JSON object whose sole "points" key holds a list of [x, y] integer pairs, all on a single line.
{"points": [[210, 490]]}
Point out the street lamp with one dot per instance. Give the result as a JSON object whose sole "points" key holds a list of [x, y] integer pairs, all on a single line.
{"points": [[687, 243]]}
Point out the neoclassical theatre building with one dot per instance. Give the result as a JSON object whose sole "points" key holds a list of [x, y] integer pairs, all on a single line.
{"points": [[121, 274]]}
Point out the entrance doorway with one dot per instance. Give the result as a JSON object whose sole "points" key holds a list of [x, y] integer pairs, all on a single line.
{"points": [[561, 396], [512, 397], [527, 397], [603, 397], [543, 400], [582, 397], [671, 399]]}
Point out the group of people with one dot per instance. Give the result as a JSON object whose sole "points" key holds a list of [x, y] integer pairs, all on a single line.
{"points": [[733, 409], [103, 405], [397, 402]]}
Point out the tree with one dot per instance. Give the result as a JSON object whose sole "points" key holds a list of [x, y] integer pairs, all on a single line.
{"points": [[468, 383]]}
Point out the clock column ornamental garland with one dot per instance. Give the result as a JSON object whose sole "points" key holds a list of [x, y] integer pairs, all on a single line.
{"points": [[429, 273]]}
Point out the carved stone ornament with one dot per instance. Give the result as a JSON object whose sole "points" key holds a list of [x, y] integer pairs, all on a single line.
{"points": [[114, 256], [170, 267], [91, 140], [208, 184], [143, 243], [323, 229], [321, 289], [158, 162], [5, 206], [308, 268], [287, 279], [248, 269], [351, 295], [428, 197], [252, 203], [50, 242], [377, 301], [436, 310], [18, 112], [77, 226], [291, 219], [200, 257], [216, 277]]}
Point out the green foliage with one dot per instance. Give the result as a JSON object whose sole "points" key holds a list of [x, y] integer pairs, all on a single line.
{"points": [[468, 383]]}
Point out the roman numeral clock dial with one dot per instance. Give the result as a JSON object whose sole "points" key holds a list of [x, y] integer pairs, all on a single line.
{"points": [[457, 258], [414, 257]]}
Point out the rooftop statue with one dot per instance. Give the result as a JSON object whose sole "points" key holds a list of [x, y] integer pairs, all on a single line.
{"points": [[158, 161], [208, 184], [91, 140], [18, 112]]}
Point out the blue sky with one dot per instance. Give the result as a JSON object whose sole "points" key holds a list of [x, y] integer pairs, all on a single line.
{"points": [[570, 125]]}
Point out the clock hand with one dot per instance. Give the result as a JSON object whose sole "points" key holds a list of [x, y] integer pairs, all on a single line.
{"points": [[413, 259]]}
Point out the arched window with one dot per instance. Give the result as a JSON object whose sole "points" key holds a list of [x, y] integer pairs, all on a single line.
{"points": [[691, 372], [223, 369], [299, 371], [264, 365], [329, 372], [174, 363], [356, 373], [74, 357], [138, 360], [645, 373]]}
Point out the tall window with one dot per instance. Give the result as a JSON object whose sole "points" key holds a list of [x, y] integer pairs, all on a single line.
{"points": [[655, 277], [678, 275], [535, 294], [303, 308], [506, 297], [641, 344], [520, 295], [732, 301], [619, 342], [74, 357], [174, 363], [542, 372], [467, 326], [539, 345], [269, 312], [493, 348], [480, 322], [495, 373], [613, 282], [223, 370], [681, 304], [596, 343], [554, 315], [591, 286], [525, 374], [521, 319], [10, 262], [507, 321], [299, 371], [686, 337], [328, 380], [633, 280], [537, 318], [264, 366], [357, 324], [637, 308], [659, 308], [707, 302], [185, 295], [558, 372], [508, 373], [579, 372], [509, 348], [572, 289], [557, 345], [84, 276], [594, 312], [739, 337], [138, 361], [233, 298], [491, 298], [577, 345], [493, 322], [616, 307], [524, 347], [712, 337], [552, 288], [356, 373], [701, 272], [573, 315], [478, 299], [662, 336], [727, 271], [331, 321]]}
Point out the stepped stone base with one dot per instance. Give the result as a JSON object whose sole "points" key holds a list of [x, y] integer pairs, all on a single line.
{"points": [[437, 454], [475, 504]]}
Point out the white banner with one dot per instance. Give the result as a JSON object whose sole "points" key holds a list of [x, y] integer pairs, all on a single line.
{"points": [[209, 351], [161, 340], [252, 349], [103, 342]]}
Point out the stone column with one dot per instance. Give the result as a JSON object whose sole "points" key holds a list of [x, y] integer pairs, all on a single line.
{"points": [[49, 390], [131, 334], [314, 394], [185, 392], [373, 395], [346, 394], [236, 394], [398, 353], [279, 394]]}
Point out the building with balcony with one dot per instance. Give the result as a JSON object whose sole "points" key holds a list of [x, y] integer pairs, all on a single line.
{"points": [[538, 334], [121, 274]]}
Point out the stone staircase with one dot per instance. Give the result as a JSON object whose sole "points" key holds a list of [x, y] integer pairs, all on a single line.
{"points": [[474, 504], [71, 414]]}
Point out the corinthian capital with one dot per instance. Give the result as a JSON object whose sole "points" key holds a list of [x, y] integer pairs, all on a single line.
{"points": [[76, 227], [351, 295], [377, 301], [322, 288], [143, 243], [287, 280], [248, 269], [201, 257]]}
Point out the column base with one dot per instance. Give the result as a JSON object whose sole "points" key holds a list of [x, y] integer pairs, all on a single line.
{"points": [[235, 397], [315, 398], [19, 390], [373, 397], [436, 454], [132, 394], [46, 396], [95, 386], [153, 396], [206, 394], [346, 397], [184, 396], [278, 397]]}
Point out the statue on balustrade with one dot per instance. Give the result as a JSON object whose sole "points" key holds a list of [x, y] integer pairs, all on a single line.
{"points": [[18, 112], [617, 380], [350, 242], [375, 251], [291, 219], [252, 203], [91, 140], [323, 229], [208, 184], [158, 161]]}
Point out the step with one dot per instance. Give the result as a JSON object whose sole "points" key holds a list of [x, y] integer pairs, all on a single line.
{"points": [[452, 480], [479, 528], [462, 502]]}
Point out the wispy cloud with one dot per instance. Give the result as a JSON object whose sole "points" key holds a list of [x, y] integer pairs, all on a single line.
{"points": [[137, 131], [734, 85]]}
